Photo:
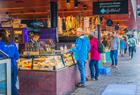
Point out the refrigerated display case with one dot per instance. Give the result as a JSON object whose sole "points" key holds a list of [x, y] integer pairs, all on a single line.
{"points": [[46, 62], [5, 74], [47, 74]]}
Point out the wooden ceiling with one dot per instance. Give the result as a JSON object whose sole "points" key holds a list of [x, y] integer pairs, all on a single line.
{"points": [[32, 9], [40, 8]]}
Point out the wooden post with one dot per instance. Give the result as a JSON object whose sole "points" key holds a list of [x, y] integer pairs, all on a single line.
{"points": [[99, 29], [54, 16]]}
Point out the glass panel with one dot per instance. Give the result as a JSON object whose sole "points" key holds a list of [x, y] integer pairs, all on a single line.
{"points": [[68, 59], [3, 80], [48, 63], [3, 55]]}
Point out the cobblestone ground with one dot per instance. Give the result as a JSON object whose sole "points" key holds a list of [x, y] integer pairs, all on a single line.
{"points": [[128, 73]]}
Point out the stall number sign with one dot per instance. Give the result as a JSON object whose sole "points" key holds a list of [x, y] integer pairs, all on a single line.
{"points": [[110, 7]]}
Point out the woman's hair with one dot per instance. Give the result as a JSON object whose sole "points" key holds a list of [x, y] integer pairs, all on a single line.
{"points": [[90, 37], [4, 37]]}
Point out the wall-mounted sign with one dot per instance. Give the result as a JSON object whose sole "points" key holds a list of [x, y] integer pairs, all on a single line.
{"points": [[110, 7], [138, 11]]}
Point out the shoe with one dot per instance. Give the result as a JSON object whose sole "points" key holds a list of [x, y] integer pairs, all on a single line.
{"points": [[112, 66], [92, 79], [81, 85], [96, 78], [116, 67]]}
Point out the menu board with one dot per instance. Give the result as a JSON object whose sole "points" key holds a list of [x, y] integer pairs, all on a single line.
{"points": [[3, 80]]}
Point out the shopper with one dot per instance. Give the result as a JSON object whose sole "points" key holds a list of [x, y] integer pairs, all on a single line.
{"points": [[125, 50], [104, 42], [9, 47], [115, 43], [81, 50], [132, 46], [94, 57], [122, 46]]}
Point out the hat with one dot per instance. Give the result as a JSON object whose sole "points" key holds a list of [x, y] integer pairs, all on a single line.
{"points": [[79, 30]]}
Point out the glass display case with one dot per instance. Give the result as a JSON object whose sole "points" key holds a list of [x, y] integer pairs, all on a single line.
{"points": [[5, 74], [69, 59], [46, 62]]}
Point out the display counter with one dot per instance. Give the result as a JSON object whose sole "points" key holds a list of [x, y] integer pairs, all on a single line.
{"points": [[5, 76], [48, 75], [47, 62]]}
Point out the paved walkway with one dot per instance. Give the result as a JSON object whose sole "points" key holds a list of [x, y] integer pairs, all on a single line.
{"points": [[127, 74]]}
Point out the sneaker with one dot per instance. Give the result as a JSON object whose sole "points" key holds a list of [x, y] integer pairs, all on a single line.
{"points": [[81, 85], [116, 67], [92, 79], [130, 57], [112, 66], [96, 78]]}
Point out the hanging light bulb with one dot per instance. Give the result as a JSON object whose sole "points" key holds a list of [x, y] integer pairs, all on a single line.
{"points": [[68, 1], [76, 3]]}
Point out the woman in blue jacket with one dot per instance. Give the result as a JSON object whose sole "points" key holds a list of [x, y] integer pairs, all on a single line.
{"points": [[9, 47]]}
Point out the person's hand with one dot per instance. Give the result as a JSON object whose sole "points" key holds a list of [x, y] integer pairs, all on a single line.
{"points": [[73, 45]]}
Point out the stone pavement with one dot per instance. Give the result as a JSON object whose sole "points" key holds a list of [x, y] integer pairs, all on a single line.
{"points": [[128, 72]]}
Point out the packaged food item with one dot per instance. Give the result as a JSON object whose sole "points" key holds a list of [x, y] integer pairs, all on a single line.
{"points": [[25, 64]]}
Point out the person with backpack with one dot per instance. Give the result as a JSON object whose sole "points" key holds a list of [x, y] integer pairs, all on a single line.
{"points": [[132, 45], [95, 57], [114, 48], [81, 51]]}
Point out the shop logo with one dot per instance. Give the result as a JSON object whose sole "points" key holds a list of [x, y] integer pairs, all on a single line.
{"points": [[103, 11]]}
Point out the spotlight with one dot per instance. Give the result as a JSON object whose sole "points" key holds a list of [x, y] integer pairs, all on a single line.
{"points": [[85, 7], [76, 3], [68, 1]]}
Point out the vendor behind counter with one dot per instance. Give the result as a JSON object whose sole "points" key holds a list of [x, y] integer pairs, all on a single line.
{"points": [[35, 40]]}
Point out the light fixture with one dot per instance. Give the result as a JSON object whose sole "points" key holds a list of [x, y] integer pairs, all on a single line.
{"points": [[76, 3], [85, 7], [68, 1]]}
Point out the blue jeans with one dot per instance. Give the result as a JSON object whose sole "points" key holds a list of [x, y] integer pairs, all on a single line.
{"points": [[114, 57], [94, 68], [82, 69], [14, 75], [131, 51]]}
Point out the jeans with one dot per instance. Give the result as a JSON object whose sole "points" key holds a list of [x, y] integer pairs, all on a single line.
{"points": [[125, 50], [94, 68], [14, 80], [131, 51], [82, 69], [114, 57], [122, 51]]}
